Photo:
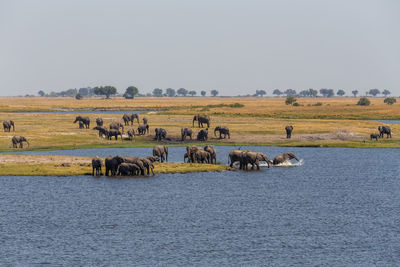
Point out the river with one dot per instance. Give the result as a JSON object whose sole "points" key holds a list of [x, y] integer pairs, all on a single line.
{"points": [[341, 207]]}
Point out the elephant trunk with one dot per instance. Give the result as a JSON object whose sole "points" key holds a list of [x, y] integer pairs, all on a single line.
{"points": [[215, 132]]}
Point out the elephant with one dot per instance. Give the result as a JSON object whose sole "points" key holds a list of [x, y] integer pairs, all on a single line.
{"points": [[284, 157], [18, 140], [81, 125], [202, 135], [142, 129], [145, 120], [112, 164], [185, 156], [131, 134], [99, 122], [161, 152], [7, 126], [202, 119], [152, 158], [253, 158], [96, 165], [235, 155], [202, 156], [114, 133], [130, 118], [213, 153], [222, 131], [128, 169], [385, 130], [138, 162], [117, 126], [190, 151], [85, 120], [102, 131], [160, 134], [289, 130], [186, 132], [148, 164], [374, 136]]}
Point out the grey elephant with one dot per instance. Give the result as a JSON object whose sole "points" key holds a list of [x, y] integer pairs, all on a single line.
{"points": [[102, 131], [137, 161], [81, 125], [254, 159], [18, 140], [160, 134], [152, 158], [202, 135], [385, 130], [186, 132], [112, 164], [289, 130], [185, 156], [131, 134], [145, 120], [99, 122], [222, 131], [114, 133], [284, 157], [84, 120], [213, 153], [96, 166], [202, 119], [190, 151], [142, 129], [117, 126], [202, 156], [161, 152], [128, 169], [148, 164], [7, 126], [374, 136], [130, 118], [235, 156]]}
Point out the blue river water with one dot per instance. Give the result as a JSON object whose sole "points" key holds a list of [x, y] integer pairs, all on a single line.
{"points": [[341, 207]]}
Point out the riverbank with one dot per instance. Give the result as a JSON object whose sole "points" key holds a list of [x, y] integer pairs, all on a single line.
{"points": [[39, 165]]}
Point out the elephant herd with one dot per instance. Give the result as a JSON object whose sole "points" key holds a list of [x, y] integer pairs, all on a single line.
{"points": [[382, 131], [246, 158], [124, 166], [16, 141]]}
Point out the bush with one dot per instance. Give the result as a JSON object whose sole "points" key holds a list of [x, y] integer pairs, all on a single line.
{"points": [[236, 105], [295, 104], [389, 100], [78, 96], [363, 101], [317, 104], [290, 100]]}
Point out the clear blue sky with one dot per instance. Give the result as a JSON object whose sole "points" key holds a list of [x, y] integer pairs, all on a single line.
{"points": [[233, 46]]}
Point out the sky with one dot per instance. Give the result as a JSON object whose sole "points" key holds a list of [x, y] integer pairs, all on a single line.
{"points": [[235, 47]]}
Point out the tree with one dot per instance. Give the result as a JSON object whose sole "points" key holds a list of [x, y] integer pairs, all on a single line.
{"points": [[203, 93], [157, 92], [313, 93], [374, 92], [326, 92], [105, 90], [192, 93], [304, 93], [260, 93], [78, 96], [355, 93], [290, 92], [84, 91], [277, 92], [182, 91], [290, 100], [341, 92], [170, 92], [386, 92], [363, 101], [41, 93], [130, 92], [214, 92], [389, 100]]}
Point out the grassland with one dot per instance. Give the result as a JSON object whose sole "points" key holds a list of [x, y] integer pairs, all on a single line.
{"points": [[23, 165], [338, 122]]}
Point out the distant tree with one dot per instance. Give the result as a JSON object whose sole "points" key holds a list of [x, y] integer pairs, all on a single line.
{"points": [[304, 93], [41, 93], [157, 92], [130, 92], [192, 92], [105, 90], [170, 92], [277, 92], [355, 93], [260, 93], [326, 92], [203, 93], [214, 92], [290, 100], [386, 92], [290, 92], [84, 91], [78, 96], [341, 92], [363, 101], [312, 92], [182, 92], [389, 100], [374, 92]]}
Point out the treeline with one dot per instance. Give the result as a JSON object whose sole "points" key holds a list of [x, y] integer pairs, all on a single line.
{"points": [[324, 92]]}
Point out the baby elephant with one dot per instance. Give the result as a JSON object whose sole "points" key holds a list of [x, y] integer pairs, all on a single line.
{"points": [[374, 136], [18, 140], [96, 165]]}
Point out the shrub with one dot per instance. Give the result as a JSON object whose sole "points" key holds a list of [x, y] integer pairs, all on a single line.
{"points": [[295, 104], [236, 105], [78, 96], [363, 101], [290, 100], [389, 100], [317, 104]]}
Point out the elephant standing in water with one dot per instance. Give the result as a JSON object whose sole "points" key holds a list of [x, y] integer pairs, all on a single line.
{"points": [[161, 152], [18, 140], [254, 159], [236, 155], [138, 162], [222, 131], [385, 130], [186, 132], [130, 118], [96, 165], [289, 130], [7, 126], [190, 153], [213, 153], [84, 120], [128, 169], [284, 157], [112, 164], [99, 122], [202, 119]]}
